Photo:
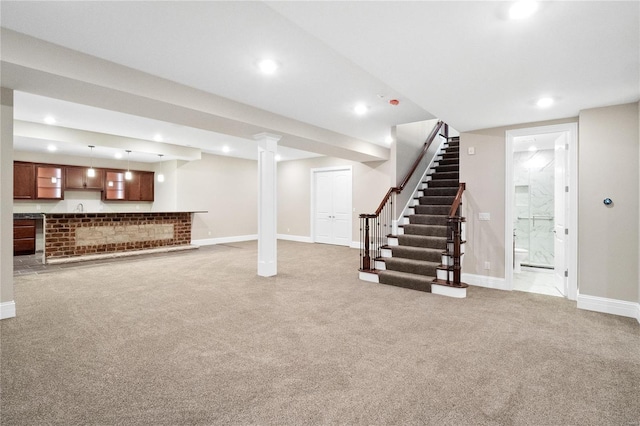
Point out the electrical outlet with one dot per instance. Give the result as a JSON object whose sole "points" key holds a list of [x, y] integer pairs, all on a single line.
{"points": [[487, 265]]}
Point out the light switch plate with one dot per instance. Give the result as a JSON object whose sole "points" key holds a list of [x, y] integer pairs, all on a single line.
{"points": [[484, 216], [471, 150]]}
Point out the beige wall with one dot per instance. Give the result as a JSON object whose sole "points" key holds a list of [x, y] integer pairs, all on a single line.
{"points": [[484, 175], [227, 188], [608, 236], [6, 196], [370, 184]]}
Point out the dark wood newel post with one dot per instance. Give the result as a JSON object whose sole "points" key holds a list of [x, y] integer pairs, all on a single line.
{"points": [[366, 259], [456, 222]]}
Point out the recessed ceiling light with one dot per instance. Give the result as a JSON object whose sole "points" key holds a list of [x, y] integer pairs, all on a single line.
{"points": [[49, 120], [544, 102], [533, 148], [523, 9], [388, 139], [225, 149], [360, 109], [278, 157], [268, 66], [51, 148], [158, 137], [118, 155]]}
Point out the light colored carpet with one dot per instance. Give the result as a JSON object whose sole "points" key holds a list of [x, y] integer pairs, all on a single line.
{"points": [[198, 338]]}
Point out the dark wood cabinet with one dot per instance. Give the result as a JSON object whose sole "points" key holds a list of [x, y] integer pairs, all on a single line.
{"points": [[49, 182], [24, 236], [24, 187], [140, 187], [78, 178], [114, 185]]}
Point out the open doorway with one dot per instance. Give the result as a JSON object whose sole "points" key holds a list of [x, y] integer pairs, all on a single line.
{"points": [[541, 217]]}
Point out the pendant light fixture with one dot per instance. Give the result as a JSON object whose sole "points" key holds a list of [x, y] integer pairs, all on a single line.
{"points": [[161, 175], [91, 172], [128, 175]]}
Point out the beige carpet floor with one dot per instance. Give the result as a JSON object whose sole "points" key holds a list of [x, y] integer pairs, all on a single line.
{"points": [[198, 338]]}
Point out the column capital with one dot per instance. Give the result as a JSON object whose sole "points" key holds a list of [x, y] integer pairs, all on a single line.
{"points": [[267, 136]]}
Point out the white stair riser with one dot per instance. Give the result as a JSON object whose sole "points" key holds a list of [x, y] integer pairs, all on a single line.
{"points": [[444, 290], [448, 260], [385, 253], [365, 276], [392, 241], [441, 274], [380, 265]]}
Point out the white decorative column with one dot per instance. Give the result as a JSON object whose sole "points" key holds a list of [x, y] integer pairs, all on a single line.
{"points": [[7, 304], [267, 204]]}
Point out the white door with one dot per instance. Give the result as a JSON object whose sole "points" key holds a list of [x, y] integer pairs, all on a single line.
{"points": [[332, 215], [561, 205]]}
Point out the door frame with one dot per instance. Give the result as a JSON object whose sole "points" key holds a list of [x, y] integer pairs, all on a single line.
{"points": [[312, 216], [571, 246]]}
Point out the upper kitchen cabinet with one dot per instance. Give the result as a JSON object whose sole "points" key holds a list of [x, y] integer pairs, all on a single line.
{"points": [[140, 187], [77, 178], [48, 182], [24, 187], [114, 185]]}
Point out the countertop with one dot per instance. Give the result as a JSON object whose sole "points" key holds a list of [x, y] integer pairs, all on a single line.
{"points": [[27, 215], [40, 215]]}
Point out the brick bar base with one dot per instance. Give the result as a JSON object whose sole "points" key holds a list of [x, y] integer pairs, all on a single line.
{"points": [[80, 234]]}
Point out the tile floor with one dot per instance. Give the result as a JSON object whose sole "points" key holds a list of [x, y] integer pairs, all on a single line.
{"points": [[537, 280]]}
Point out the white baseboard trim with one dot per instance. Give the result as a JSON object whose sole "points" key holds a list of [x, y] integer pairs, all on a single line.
{"points": [[609, 306], [298, 238], [485, 281], [224, 240], [356, 245], [443, 290], [7, 310]]}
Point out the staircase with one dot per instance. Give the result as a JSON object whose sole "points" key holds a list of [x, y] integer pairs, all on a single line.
{"points": [[420, 255]]}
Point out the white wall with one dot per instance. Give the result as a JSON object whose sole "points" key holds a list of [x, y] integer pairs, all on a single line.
{"points": [[408, 144], [7, 306]]}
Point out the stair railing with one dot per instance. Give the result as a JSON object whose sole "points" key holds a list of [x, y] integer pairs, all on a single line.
{"points": [[454, 240], [375, 227]]}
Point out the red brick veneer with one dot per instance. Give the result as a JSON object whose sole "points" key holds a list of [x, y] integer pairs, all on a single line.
{"points": [[60, 232]]}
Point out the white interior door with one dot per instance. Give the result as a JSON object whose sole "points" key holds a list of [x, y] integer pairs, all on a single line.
{"points": [[561, 208], [332, 212]]}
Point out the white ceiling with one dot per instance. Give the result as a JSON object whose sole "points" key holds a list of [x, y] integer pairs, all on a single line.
{"points": [[463, 62]]}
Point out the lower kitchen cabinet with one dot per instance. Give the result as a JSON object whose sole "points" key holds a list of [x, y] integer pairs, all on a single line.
{"points": [[24, 236]]}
